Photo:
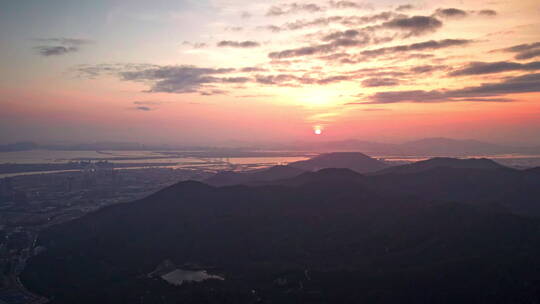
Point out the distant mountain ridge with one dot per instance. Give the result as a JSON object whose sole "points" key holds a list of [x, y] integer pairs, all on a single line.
{"points": [[355, 161], [443, 162], [475, 181], [437, 146], [352, 161]]}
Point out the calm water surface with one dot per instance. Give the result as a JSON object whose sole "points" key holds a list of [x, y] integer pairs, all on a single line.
{"points": [[169, 160]]}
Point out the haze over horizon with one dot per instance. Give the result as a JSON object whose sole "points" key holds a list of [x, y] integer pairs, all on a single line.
{"points": [[213, 71]]}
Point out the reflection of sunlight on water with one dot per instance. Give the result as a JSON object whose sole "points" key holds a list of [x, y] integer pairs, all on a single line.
{"points": [[239, 163], [209, 164], [49, 156], [174, 160]]}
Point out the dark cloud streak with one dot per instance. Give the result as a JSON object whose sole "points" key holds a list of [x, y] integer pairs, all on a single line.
{"points": [[513, 85], [55, 50], [380, 82], [451, 13], [421, 46], [487, 12], [414, 26], [479, 68], [404, 7], [238, 44], [59, 46], [325, 48], [325, 21], [524, 51]]}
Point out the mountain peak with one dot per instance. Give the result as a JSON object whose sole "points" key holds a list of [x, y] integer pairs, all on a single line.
{"points": [[479, 163], [355, 161]]}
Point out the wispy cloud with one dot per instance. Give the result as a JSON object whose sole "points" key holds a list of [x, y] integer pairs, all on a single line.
{"points": [[145, 106], [195, 45], [358, 39], [278, 10], [404, 7], [450, 13], [478, 68], [350, 5], [414, 26], [487, 12], [238, 44], [380, 82], [55, 50], [420, 46], [59, 46], [524, 51], [347, 21], [481, 93]]}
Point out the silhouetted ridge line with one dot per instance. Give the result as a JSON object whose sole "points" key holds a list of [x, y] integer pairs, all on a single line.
{"points": [[355, 161], [444, 162], [314, 241]]}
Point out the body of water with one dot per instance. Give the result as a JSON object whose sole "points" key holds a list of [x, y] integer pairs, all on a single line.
{"points": [[176, 160], [139, 159]]}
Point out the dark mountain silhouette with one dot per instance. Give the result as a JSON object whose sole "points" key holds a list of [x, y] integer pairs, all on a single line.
{"points": [[424, 147], [475, 182], [332, 236], [535, 170], [443, 162], [227, 178], [323, 177], [344, 145], [352, 160], [516, 190], [451, 147]]}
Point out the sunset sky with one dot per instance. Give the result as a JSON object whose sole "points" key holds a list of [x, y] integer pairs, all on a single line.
{"points": [[213, 71]]}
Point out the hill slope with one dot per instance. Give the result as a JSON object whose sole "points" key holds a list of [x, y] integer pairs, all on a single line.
{"points": [[228, 178], [332, 236]]}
